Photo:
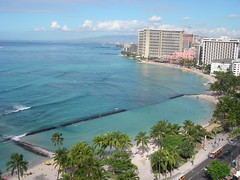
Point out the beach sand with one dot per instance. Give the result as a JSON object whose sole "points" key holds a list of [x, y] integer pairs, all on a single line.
{"points": [[142, 161], [198, 72], [210, 98], [39, 172]]}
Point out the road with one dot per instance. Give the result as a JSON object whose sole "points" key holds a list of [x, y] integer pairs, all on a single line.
{"points": [[230, 152]]}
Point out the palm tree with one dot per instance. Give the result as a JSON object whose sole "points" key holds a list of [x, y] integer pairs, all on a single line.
{"points": [[99, 141], [192, 132], [227, 111], [157, 162], [125, 141], [157, 131], [162, 161], [83, 162], [172, 129], [128, 175], [116, 138], [187, 125], [60, 159], [57, 139], [93, 170], [17, 163], [109, 140], [173, 159], [142, 139]]}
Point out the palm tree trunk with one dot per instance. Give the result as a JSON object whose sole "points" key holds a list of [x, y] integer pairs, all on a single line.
{"points": [[159, 172], [18, 173], [58, 174]]}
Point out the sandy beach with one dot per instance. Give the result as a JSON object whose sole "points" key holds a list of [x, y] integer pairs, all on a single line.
{"points": [[192, 70], [39, 172], [207, 97]]}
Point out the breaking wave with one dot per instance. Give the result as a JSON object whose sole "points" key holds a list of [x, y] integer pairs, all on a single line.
{"points": [[17, 108], [14, 138], [17, 138]]}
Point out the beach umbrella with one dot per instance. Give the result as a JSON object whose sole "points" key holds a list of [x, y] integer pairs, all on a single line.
{"points": [[59, 168], [47, 163]]}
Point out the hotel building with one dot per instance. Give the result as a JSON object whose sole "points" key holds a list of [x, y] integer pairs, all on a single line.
{"points": [[187, 41], [156, 43], [220, 65], [226, 65], [221, 48], [235, 67]]}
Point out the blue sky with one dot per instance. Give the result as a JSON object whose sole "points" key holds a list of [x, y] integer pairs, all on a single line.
{"points": [[76, 19]]}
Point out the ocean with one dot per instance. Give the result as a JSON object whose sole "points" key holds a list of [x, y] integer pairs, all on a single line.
{"points": [[47, 84]]}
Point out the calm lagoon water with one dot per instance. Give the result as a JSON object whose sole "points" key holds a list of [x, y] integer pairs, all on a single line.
{"points": [[45, 84]]}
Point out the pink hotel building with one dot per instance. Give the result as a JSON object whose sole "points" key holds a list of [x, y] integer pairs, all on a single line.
{"points": [[177, 56]]}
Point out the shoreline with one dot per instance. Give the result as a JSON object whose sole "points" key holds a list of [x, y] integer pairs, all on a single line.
{"points": [[210, 79], [41, 171]]}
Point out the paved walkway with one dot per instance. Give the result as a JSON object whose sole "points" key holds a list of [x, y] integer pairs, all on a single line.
{"points": [[144, 167], [202, 154]]}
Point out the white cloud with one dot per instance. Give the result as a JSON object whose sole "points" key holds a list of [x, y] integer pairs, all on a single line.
{"points": [[87, 24], [186, 18], [221, 31], [168, 26], [65, 28], [155, 18], [119, 25], [233, 16], [57, 27], [131, 27]]}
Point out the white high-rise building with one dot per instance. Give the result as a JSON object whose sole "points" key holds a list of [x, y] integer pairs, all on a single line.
{"points": [[220, 65], [235, 67], [156, 42], [221, 48]]}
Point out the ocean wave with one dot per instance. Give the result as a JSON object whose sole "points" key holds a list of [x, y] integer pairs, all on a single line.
{"points": [[17, 108], [17, 138], [14, 138]]}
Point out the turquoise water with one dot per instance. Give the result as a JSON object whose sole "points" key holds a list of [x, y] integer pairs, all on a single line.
{"points": [[48, 84]]}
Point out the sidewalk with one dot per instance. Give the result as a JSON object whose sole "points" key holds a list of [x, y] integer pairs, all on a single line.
{"points": [[144, 166], [201, 155]]}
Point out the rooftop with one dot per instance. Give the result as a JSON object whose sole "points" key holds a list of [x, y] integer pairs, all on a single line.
{"points": [[226, 61]]}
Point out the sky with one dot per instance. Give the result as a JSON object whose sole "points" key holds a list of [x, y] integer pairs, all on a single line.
{"points": [[76, 19]]}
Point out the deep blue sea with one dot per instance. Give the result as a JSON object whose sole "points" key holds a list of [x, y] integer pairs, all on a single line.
{"points": [[45, 84]]}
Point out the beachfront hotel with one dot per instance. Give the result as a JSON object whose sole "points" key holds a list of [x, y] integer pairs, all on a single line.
{"points": [[225, 65], [156, 43], [218, 48], [235, 67], [220, 65]]}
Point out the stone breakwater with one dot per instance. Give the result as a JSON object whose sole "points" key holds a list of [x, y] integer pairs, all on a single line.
{"points": [[35, 149]]}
